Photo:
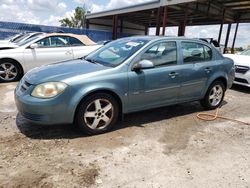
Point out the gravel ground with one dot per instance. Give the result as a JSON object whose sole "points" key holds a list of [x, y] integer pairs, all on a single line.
{"points": [[166, 147]]}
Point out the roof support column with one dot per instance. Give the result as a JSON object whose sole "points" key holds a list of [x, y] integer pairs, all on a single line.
{"points": [[165, 12], [158, 21], [182, 26], [114, 27], [221, 25], [146, 30], [227, 36], [121, 25], [235, 35], [87, 24]]}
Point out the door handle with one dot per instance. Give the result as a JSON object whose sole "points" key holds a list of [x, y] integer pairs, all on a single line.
{"points": [[68, 53], [208, 69], [173, 74]]}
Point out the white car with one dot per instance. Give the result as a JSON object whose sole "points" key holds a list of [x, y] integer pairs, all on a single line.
{"points": [[41, 50], [21, 38], [242, 67]]}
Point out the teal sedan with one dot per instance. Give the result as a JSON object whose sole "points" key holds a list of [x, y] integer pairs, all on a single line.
{"points": [[127, 75]]}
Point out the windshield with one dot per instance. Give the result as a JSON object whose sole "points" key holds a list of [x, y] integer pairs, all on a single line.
{"points": [[115, 53], [246, 52], [17, 40], [11, 37], [16, 37], [28, 40]]}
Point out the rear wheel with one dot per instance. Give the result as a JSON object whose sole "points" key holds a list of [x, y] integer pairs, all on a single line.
{"points": [[9, 71], [214, 96], [97, 114]]}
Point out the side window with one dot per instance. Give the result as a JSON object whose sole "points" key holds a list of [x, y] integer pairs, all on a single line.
{"points": [[207, 53], [59, 41], [75, 42], [195, 52], [55, 41], [44, 43], [162, 54]]}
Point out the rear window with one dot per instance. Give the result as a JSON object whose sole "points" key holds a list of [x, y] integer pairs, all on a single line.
{"points": [[195, 52]]}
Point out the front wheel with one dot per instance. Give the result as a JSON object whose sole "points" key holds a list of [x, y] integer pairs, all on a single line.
{"points": [[9, 71], [214, 96], [97, 114]]}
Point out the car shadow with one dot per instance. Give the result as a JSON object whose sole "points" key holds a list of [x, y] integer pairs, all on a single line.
{"points": [[138, 119], [240, 88]]}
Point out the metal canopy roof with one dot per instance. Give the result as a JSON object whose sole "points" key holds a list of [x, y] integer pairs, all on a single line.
{"points": [[196, 12]]}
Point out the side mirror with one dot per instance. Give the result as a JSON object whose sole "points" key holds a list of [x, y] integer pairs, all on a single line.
{"points": [[143, 64], [34, 45]]}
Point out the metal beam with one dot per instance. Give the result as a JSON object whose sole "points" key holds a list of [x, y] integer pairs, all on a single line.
{"points": [[182, 26], [227, 37], [235, 35], [165, 12], [221, 25], [158, 22], [146, 30], [114, 27]]}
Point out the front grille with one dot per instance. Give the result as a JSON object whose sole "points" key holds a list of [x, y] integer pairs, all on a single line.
{"points": [[241, 80], [241, 69], [24, 86]]}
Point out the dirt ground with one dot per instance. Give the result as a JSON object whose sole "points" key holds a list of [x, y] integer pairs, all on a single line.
{"points": [[166, 147]]}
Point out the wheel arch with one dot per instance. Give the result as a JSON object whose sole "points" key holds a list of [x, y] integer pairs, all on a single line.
{"points": [[222, 79], [219, 77], [97, 91]]}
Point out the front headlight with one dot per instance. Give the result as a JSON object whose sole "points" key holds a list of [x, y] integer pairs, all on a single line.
{"points": [[48, 90]]}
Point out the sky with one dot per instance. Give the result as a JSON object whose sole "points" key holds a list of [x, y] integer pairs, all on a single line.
{"points": [[49, 12]]}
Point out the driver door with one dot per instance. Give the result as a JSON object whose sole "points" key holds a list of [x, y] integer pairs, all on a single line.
{"points": [[156, 86], [50, 50]]}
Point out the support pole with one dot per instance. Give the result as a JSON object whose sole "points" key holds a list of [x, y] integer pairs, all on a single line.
{"points": [[114, 29], [146, 30], [158, 22], [87, 24], [227, 37], [165, 12], [221, 25], [121, 26], [235, 35], [182, 26]]}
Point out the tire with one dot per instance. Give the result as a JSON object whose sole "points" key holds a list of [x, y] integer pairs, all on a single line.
{"points": [[97, 114], [214, 96], [10, 71]]}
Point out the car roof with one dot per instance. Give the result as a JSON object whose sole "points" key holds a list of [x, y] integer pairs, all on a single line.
{"points": [[83, 38], [155, 38]]}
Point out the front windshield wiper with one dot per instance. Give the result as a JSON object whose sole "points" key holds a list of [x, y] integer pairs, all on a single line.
{"points": [[90, 60]]}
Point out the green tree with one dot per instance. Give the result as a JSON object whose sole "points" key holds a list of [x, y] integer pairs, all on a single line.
{"points": [[76, 21]]}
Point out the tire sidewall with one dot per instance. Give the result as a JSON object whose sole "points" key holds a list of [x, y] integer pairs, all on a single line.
{"points": [[79, 118]]}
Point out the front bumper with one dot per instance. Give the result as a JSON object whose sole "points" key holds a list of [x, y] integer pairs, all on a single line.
{"points": [[242, 79], [43, 111]]}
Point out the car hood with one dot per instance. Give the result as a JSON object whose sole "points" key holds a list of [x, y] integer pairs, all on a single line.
{"points": [[4, 41], [239, 59], [62, 71], [8, 46]]}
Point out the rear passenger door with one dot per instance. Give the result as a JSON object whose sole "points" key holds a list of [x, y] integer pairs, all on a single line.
{"points": [[198, 66], [50, 50]]}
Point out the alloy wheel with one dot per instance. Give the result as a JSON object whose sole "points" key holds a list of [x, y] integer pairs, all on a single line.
{"points": [[8, 71], [216, 95], [99, 114]]}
